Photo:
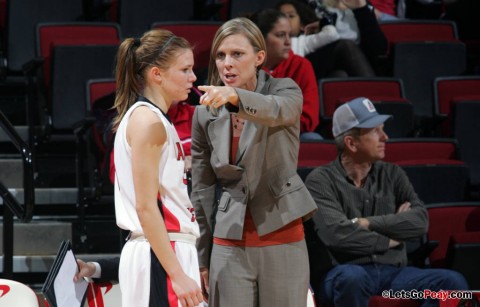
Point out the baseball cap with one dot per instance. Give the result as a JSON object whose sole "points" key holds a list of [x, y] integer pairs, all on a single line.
{"points": [[357, 113]]}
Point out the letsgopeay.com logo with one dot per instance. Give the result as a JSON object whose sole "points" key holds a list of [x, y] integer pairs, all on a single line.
{"points": [[446, 298]]}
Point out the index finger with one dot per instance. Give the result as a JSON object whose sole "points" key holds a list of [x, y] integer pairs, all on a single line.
{"points": [[204, 88]]}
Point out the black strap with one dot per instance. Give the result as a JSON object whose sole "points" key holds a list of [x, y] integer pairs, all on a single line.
{"points": [[144, 99]]}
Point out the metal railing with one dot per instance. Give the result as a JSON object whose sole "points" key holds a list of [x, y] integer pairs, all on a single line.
{"points": [[12, 207]]}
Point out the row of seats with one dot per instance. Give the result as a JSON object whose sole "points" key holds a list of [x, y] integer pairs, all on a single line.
{"points": [[437, 167], [409, 65], [65, 92], [135, 17], [89, 50], [18, 18], [50, 35], [389, 96], [433, 165]]}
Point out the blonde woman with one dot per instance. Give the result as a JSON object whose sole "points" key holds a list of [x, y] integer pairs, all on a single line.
{"points": [[245, 140]]}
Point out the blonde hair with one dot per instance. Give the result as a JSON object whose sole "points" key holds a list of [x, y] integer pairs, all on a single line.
{"points": [[240, 25], [155, 48]]}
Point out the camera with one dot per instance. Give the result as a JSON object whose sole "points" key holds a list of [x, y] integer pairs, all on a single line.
{"points": [[326, 17]]}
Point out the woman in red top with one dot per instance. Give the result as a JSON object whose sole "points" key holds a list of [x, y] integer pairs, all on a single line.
{"points": [[283, 63]]}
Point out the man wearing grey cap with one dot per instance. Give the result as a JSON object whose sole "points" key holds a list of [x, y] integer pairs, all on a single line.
{"points": [[367, 210]]}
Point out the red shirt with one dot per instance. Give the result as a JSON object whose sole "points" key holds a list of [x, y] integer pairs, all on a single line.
{"points": [[385, 6], [289, 233]]}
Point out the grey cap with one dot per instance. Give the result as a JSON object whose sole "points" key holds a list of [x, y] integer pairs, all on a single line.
{"points": [[358, 113]]}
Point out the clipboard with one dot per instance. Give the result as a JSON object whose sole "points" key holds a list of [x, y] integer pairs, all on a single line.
{"points": [[59, 288]]}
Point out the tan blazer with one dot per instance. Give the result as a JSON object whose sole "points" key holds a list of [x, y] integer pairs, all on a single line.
{"points": [[265, 173]]}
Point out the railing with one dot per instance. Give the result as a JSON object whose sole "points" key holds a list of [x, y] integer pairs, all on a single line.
{"points": [[11, 206]]}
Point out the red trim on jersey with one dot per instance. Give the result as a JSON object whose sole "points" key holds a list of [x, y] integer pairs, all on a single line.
{"points": [[171, 221]]}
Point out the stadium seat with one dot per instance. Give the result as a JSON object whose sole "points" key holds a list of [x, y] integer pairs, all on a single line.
{"points": [[136, 17], [200, 34], [239, 8], [386, 93], [439, 149], [466, 125], [428, 150], [455, 226], [49, 35], [448, 91], [68, 89], [402, 123], [92, 49], [463, 252], [420, 30], [21, 29], [418, 64], [429, 179], [447, 219], [313, 154]]}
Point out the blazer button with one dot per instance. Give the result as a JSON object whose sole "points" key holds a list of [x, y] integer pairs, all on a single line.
{"points": [[289, 183]]}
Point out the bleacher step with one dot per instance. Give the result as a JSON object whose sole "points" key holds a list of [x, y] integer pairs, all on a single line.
{"points": [[48, 195], [38, 238], [11, 172], [21, 130]]}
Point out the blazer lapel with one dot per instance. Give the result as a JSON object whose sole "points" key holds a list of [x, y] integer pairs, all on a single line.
{"points": [[250, 129], [219, 132], [248, 135]]}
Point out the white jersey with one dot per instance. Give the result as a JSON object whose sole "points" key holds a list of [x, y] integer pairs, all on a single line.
{"points": [[177, 209]]}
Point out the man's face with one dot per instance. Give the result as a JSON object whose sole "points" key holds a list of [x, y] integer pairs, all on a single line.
{"points": [[371, 143]]}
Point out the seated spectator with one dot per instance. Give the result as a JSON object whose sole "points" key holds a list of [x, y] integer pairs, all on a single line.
{"points": [[308, 33], [367, 210], [343, 57], [355, 21], [283, 63]]}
